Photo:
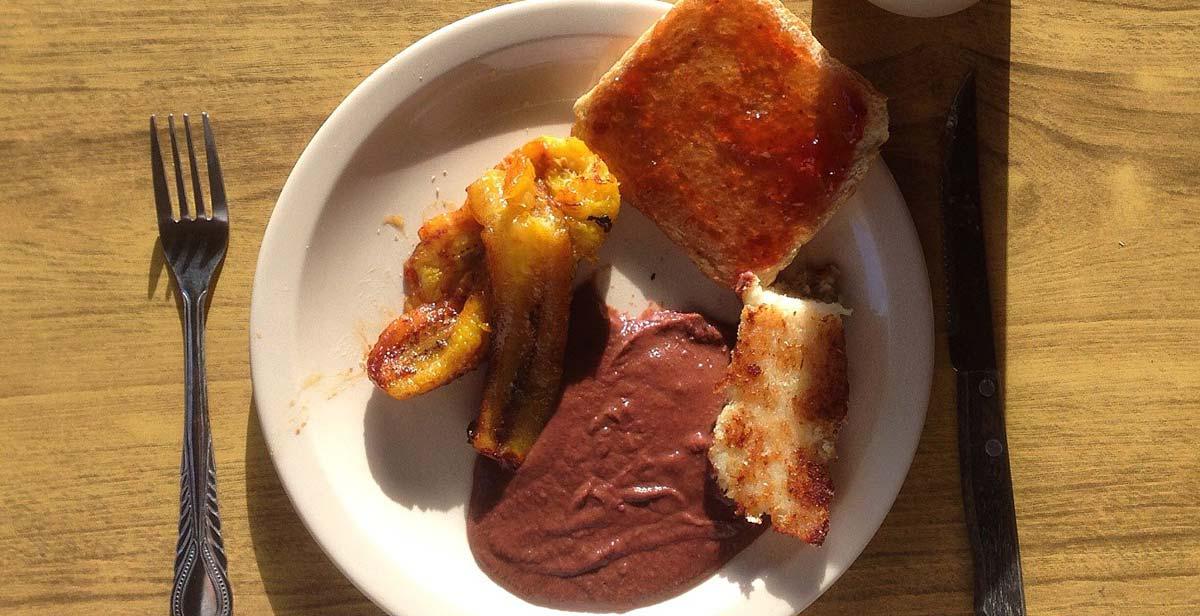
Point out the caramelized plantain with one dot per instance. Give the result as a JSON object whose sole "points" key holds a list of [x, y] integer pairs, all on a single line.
{"points": [[515, 243], [430, 346], [580, 186], [531, 278], [534, 208], [447, 264]]}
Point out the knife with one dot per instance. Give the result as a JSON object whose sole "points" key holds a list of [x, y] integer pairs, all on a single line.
{"points": [[982, 445]]}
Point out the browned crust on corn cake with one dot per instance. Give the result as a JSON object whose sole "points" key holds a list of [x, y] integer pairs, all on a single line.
{"points": [[788, 393]]}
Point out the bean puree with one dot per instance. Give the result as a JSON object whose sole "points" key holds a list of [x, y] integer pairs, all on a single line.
{"points": [[615, 507]]}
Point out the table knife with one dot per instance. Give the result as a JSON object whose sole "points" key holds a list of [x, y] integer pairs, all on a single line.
{"points": [[982, 445]]}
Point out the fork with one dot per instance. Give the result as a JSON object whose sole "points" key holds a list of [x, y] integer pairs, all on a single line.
{"points": [[194, 245]]}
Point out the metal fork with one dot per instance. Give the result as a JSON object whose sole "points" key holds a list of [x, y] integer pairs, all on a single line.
{"points": [[194, 245]]}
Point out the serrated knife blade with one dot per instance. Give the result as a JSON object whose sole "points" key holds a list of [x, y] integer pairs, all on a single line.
{"points": [[972, 342]]}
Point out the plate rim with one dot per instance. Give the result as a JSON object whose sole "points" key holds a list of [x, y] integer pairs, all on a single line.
{"points": [[327, 136]]}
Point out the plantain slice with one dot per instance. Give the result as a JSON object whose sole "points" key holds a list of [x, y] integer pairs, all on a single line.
{"points": [[530, 267], [430, 346], [534, 209], [579, 184], [503, 261], [447, 263]]}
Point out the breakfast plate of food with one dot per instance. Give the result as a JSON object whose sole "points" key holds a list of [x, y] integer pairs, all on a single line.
{"points": [[596, 306]]}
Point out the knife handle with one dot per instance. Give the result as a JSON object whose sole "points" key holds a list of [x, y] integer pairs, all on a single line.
{"points": [[987, 495]]}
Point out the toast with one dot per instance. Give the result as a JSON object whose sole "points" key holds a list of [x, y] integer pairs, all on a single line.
{"points": [[787, 392], [732, 129]]}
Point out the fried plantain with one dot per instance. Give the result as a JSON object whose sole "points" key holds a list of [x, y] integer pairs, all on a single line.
{"points": [[447, 264], [531, 282], [545, 207], [505, 260], [580, 186], [430, 346]]}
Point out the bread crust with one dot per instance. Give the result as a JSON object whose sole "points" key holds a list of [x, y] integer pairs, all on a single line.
{"points": [[690, 169]]}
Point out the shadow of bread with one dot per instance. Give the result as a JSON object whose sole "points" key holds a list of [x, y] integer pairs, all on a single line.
{"points": [[918, 64]]}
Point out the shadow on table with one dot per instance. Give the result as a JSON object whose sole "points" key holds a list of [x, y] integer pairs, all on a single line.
{"points": [[919, 64], [919, 561], [298, 577], [159, 269]]}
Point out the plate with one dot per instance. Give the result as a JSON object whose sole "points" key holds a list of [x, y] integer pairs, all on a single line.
{"points": [[382, 484]]}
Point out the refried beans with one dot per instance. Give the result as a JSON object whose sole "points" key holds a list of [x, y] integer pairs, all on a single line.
{"points": [[615, 508]]}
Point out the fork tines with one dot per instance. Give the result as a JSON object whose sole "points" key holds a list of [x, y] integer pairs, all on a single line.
{"points": [[162, 196]]}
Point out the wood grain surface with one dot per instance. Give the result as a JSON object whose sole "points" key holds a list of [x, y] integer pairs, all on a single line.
{"points": [[1089, 122]]}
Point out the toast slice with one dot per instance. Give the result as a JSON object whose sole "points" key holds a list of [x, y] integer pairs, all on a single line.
{"points": [[731, 128], [787, 395]]}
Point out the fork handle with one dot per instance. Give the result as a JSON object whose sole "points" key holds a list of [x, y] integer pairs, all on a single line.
{"points": [[201, 586]]}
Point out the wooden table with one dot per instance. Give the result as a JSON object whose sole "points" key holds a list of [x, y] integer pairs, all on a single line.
{"points": [[1089, 122]]}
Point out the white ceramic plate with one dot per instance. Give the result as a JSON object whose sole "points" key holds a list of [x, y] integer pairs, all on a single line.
{"points": [[382, 484]]}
